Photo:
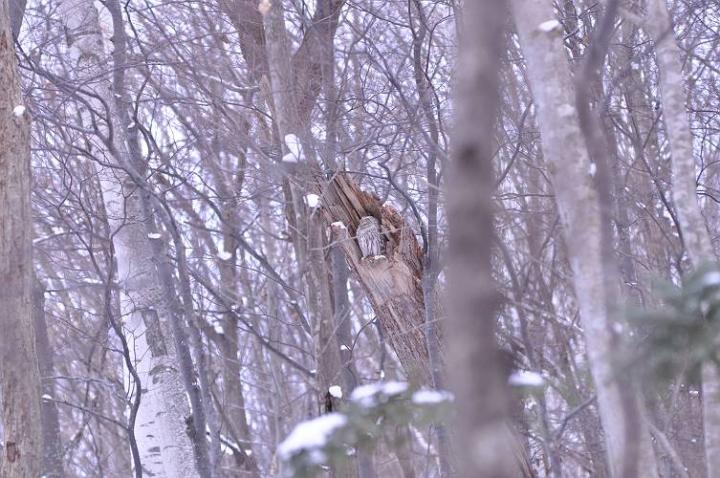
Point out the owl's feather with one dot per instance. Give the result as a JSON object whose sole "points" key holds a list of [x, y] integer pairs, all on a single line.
{"points": [[369, 237]]}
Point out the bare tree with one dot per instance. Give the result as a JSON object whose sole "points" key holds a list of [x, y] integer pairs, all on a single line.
{"points": [[572, 174], [477, 375], [172, 431], [248, 216], [696, 238], [19, 375]]}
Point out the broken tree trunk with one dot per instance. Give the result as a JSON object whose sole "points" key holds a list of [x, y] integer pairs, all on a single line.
{"points": [[392, 282]]}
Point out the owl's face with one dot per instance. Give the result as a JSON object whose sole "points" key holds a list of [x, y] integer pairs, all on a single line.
{"points": [[368, 221]]}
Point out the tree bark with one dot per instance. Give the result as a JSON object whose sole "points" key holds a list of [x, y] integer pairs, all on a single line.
{"points": [[392, 283], [579, 205], [285, 97], [474, 360], [695, 234], [19, 375], [17, 12], [172, 441], [52, 445]]}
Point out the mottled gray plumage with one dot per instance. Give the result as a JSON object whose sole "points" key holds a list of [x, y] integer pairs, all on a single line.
{"points": [[369, 238]]}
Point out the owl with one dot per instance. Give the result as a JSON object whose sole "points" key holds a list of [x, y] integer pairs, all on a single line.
{"points": [[369, 238]]}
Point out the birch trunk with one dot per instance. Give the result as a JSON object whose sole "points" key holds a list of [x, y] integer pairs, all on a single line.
{"points": [[695, 234], [166, 423], [22, 452], [580, 210]]}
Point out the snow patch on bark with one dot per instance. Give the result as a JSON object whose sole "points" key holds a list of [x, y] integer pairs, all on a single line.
{"points": [[294, 147], [335, 391], [525, 378], [312, 200], [224, 255], [549, 26]]}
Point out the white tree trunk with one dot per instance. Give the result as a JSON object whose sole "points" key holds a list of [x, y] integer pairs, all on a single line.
{"points": [[579, 206], [22, 453], [164, 414], [695, 234], [146, 425]]}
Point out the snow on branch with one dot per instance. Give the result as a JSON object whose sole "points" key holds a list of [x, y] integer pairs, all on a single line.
{"points": [[371, 409]]}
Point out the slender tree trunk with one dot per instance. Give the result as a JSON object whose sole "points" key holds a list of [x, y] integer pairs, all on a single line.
{"points": [[17, 11], [342, 320], [431, 259], [580, 210], [19, 375], [695, 234], [229, 180], [52, 446], [285, 99]]}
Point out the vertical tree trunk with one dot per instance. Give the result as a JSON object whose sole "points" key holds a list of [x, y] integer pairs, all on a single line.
{"points": [[52, 446], [431, 259], [695, 234], [19, 375], [285, 99], [142, 272], [17, 11], [229, 180], [474, 360], [580, 211]]}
